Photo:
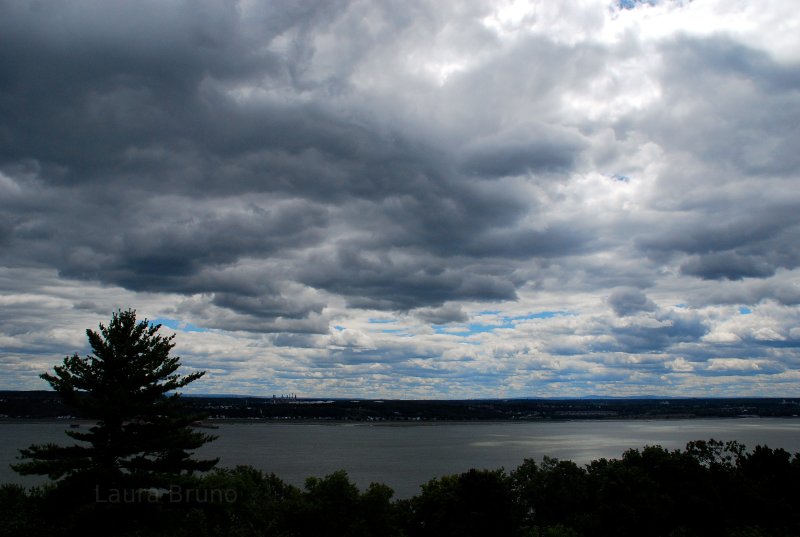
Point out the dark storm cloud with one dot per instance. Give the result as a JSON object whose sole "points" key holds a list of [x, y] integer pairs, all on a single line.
{"points": [[741, 226], [748, 240], [158, 247], [384, 281], [556, 241], [760, 97], [89, 76], [738, 138], [109, 77], [449, 313], [628, 301], [671, 329], [535, 149], [751, 292], [644, 327], [143, 161], [729, 265]]}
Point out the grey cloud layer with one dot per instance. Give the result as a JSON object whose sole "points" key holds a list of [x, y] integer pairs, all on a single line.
{"points": [[105, 114], [275, 165]]}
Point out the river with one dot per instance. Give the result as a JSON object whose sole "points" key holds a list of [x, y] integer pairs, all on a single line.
{"points": [[404, 456]]}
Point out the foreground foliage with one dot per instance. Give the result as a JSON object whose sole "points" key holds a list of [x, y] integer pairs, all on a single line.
{"points": [[708, 489]]}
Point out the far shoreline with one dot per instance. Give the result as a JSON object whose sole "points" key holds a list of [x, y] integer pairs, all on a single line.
{"points": [[213, 422]]}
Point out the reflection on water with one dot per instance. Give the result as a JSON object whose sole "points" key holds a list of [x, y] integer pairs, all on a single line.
{"points": [[405, 456]]}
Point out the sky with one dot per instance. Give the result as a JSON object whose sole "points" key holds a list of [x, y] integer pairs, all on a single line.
{"points": [[416, 199]]}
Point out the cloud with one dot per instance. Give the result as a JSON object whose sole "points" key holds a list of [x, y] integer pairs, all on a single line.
{"points": [[627, 301], [532, 149], [666, 332], [449, 313], [267, 173], [728, 265]]}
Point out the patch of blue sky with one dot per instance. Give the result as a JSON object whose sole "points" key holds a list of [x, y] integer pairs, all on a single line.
{"points": [[505, 322], [632, 4], [381, 321], [444, 329], [480, 328], [338, 327], [745, 311], [175, 324], [469, 329], [540, 315]]}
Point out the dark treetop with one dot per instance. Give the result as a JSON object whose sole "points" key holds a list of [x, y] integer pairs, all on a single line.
{"points": [[142, 436]]}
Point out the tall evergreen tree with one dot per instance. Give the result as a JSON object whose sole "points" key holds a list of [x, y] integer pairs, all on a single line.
{"points": [[143, 438]]}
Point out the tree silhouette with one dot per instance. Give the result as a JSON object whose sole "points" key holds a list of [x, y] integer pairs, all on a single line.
{"points": [[143, 438]]}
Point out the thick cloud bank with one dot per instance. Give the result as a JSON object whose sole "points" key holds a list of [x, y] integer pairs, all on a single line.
{"points": [[423, 199]]}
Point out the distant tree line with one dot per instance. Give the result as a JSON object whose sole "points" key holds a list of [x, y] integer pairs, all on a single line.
{"points": [[48, 404], [709, 489]]}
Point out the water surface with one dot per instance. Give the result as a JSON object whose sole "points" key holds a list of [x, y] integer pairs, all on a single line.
{"points": [[404, 456]]}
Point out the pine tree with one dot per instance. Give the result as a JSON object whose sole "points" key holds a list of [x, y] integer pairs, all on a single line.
{"points": [[143, 437]]}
